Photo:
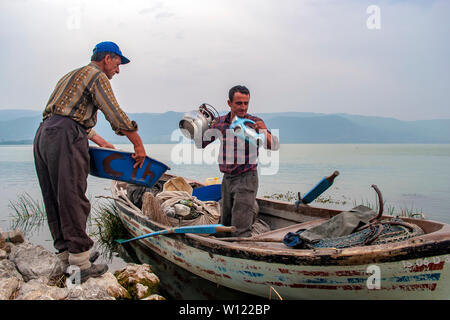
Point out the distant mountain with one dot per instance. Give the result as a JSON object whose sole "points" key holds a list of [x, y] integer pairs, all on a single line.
{"points": [[11, 114], [18, 129], [19, 126]]}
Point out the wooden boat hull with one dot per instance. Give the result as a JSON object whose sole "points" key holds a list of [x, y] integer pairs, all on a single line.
{"points": [[419, 269]]}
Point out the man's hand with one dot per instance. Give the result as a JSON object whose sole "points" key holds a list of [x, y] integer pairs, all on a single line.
{"points": [[139, 150], [138, 156], [260, 125]]}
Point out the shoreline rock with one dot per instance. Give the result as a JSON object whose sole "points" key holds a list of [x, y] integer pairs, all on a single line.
{"points": [[30, 272]]}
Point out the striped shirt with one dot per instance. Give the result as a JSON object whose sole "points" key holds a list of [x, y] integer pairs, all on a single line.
{"points": [[80, 93], [235, 155]]}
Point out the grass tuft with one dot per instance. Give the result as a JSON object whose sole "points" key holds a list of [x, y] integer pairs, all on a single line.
{"points": [[388, 209], [108, 227], [27, 213]]}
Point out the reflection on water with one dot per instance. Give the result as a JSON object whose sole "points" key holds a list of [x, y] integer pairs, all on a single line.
{"points": [[103, 227], [177, 283], [410, 176]]}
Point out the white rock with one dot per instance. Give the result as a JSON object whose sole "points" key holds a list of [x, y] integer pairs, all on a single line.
{"points": [[90, 293], [109, 283], [138, 279], [141, 291], [154, 297], [37, 289], [8, 286], [3, 254], [8, 270], [10, 279], [35, 262], [14, 236]]}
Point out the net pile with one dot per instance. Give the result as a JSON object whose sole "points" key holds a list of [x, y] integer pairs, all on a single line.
{"points": [[156, 208], [388, 231]]}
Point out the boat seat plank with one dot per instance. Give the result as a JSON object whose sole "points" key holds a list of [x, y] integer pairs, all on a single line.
{"points": [[273, 238]]}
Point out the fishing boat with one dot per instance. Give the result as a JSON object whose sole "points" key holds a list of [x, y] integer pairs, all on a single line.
{"points": [[416, 267]]}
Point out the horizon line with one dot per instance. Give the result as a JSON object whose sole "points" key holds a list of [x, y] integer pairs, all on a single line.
{"points": [[279, 112]]}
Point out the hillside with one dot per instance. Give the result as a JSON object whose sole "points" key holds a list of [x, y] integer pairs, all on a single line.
{"points": [[19, 126]]}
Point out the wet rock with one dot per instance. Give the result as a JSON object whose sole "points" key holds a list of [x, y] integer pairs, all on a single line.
{"points": [[37, 289], [8, 270], [154, 297], [34, 262], [4, 246], [14, 236], [7, 247], [142, 291], [3, 254], [8, 287], [30, 272], [139, 280], [10, 279], [109, 283], [88, 293], [8, 238]]}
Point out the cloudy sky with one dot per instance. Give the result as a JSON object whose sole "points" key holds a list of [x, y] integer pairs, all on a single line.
{"points": [[381, 58]]}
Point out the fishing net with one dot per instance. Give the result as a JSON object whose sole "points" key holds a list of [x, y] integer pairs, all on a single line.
{"points": [[157, 205], [381, 233], [200, 212]]}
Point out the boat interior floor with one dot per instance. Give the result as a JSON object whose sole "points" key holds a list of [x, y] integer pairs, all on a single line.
{"points": [[273, 238]]}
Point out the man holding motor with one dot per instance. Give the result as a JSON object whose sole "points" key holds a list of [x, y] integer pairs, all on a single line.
{"points": [[238, 162]]}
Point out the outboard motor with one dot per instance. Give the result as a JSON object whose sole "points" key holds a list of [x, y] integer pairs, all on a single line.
{"points": [[194, 123]]}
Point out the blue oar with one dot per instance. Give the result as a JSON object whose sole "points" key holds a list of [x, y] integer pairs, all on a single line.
{"points": [[205, 228], [320, 188]]}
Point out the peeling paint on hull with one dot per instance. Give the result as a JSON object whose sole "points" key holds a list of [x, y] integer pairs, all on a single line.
{"points": [[413, 277]]}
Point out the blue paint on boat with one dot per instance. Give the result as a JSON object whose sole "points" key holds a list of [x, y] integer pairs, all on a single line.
{"points": [[251, 274], [178, 253]]}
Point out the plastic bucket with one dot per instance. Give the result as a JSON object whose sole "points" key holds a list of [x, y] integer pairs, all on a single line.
{"points": [[118, 165], [208, 193]]}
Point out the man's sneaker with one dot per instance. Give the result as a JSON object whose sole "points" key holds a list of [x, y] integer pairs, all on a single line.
{"points": [[96, 270]]}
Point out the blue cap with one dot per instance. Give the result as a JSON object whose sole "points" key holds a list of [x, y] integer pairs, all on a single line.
{"points": [[109, 46]]}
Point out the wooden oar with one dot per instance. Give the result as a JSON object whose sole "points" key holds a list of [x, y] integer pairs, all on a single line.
{"points": [[206, 228]]}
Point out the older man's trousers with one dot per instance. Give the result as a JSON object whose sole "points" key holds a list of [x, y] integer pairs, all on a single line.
{"points": [[61, 157]]}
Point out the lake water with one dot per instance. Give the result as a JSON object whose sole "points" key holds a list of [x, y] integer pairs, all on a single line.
{"points": [[413, 177]]}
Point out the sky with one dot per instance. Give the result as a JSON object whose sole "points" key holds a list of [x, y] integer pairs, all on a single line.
{"points": [[377, 58]]}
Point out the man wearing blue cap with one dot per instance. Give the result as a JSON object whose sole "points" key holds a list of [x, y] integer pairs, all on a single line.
{"points": [[61, 152]]}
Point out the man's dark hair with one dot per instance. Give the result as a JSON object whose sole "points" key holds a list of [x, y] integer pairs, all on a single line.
{"points": [[99, 56], [241, 89]]}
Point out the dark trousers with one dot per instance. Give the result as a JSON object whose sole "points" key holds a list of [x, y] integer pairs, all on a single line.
{"points": [[239, 207], [61, 157]]}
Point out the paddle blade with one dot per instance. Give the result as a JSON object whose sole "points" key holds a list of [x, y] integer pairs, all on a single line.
{"points": [[320, 188], [207, 228]]}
